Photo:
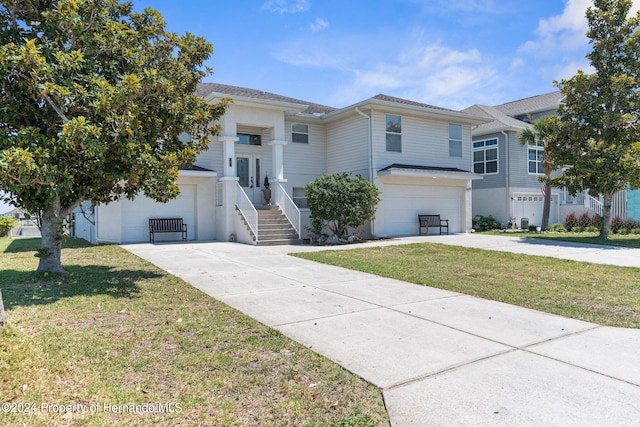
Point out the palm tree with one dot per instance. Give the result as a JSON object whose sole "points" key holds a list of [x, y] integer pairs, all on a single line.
{"points": [[537, 135]]}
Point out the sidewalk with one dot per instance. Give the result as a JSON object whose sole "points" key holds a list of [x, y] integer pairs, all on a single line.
{"points": [[440, 358]]}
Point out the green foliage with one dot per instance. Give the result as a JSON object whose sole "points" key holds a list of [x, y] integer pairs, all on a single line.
{"points": [[6, 224], [623, 226], [597, 132], [578, 229], [94, 99], [341, 201], [485, 223], [533, 228], [557, 228]]}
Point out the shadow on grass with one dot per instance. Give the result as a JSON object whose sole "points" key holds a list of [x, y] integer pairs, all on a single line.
{"points": [[33, 244], [28, 288], [586, 241]]}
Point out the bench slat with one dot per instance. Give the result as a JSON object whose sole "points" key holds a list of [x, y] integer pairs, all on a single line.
{"points": [[166, 225], [426, 221]]}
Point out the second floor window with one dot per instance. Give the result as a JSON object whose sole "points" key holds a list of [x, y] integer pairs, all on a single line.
{"points": [[485, 156], [300, 133], [394, 133], [535, 153], [455, 140], [247, 139]]}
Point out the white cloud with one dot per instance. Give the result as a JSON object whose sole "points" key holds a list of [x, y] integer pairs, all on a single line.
{"points": [[286, 6], [319, 24], [564, 32]]}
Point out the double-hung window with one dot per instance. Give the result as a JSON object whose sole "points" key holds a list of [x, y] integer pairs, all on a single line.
{"points": [[455, 140], [485, 156], [535, 154], [394, 133], [300, 133]]}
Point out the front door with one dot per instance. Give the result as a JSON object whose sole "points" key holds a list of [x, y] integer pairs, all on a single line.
{"points": [[249, 170]]}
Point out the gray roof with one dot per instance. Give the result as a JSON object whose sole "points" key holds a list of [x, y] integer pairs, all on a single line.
{"points": [[205, 89], [547, 101], [388, 98], [503, 115]]}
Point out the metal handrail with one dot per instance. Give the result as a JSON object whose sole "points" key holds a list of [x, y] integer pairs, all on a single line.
{"points": [[249, 213], [289, 208]]}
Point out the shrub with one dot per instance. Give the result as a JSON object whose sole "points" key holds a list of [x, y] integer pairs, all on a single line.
{"points": [[623, 231], [593, 229], [570, 221], [616, 224], [577, 229], [485, 223], [557, 227], [533, 228], [6, 224], [585, 220], [341, 201], [596, 221], [635, 230]]}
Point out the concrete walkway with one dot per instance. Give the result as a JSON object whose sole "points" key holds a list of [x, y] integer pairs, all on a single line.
{"points": [[439, 357]]}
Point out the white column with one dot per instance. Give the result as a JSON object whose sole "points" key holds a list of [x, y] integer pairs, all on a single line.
{"points": [[468, 211], [229, 155], [277, 154]]}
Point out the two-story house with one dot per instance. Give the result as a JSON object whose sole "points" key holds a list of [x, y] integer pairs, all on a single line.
{"points": [[418, 155], [510, 190]]}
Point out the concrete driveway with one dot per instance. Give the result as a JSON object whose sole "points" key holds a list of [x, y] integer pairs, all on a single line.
{"points": [[439, 357]]}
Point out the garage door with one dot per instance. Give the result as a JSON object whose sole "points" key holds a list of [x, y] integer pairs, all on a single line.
{"points": [[403, 203], [136, 214], [531, 206]]}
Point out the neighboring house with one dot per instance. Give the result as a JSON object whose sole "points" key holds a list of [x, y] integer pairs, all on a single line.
{"points": [[418, 155], [510, 190]]}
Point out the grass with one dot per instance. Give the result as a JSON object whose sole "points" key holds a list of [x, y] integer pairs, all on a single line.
{"points": [[117, 332], [602, 294], [626, 240]]}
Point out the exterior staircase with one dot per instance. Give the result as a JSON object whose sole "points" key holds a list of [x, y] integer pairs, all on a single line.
{"points": [[274, 228]]}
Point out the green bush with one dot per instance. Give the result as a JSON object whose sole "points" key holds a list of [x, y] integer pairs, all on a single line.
{"points": [[557, 227], [577, 229], [533, 228], [341, 201], [635, 230], [593, 229], [6, 224], [485, 223], [623, 231]]}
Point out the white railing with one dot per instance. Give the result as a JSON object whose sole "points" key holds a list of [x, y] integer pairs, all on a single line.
{"points": [[289, 208], [247, 210], [568, 199], [593, 204]]}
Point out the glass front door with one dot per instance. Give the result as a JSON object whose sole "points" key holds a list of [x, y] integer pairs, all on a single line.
{"points": [[248, 169]]}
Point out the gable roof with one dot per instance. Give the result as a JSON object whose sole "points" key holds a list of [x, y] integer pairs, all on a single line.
{"points": [[402, 101], [503, 115], [215, 89]]}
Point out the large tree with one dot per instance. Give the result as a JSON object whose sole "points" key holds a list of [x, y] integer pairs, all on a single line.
{"points": [[598, 136], [94, 98], [537, 135]]}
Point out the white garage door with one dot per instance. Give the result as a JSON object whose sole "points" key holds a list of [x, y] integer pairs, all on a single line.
{"points": [[403, 204], [136, 214], [531, 206]]}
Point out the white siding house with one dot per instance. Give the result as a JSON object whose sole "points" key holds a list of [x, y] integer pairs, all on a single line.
{"points": [[418, 155]]}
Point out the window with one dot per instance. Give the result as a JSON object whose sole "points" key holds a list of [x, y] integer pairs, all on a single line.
{"points": [[455, 140], [300, 197], [535, 152], [394, 133], [246, 139], [300, 133], [485, 156]]}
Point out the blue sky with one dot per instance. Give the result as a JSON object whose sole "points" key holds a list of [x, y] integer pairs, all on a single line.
{"points": [[449, 53]]}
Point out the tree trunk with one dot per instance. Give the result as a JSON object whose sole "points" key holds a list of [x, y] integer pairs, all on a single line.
{"points": [[606, 216], [547, 206], [51, 245]]}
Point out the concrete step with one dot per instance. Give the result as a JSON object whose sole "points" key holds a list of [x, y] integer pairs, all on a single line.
{"points": [[279, 242]]}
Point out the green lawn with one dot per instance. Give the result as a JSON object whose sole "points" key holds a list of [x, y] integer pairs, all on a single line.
{"points": [[602, 294], [627, 240], [117, 332]]}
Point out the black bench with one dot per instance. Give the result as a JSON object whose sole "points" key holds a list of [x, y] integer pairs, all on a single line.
{"points": [[166, 225], [426, 221]]}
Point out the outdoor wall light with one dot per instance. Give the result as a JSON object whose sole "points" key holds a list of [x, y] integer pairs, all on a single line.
{"points": [[230, 162]]}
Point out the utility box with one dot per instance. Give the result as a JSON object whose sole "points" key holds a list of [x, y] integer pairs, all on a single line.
{"points": [[524, 223]]}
